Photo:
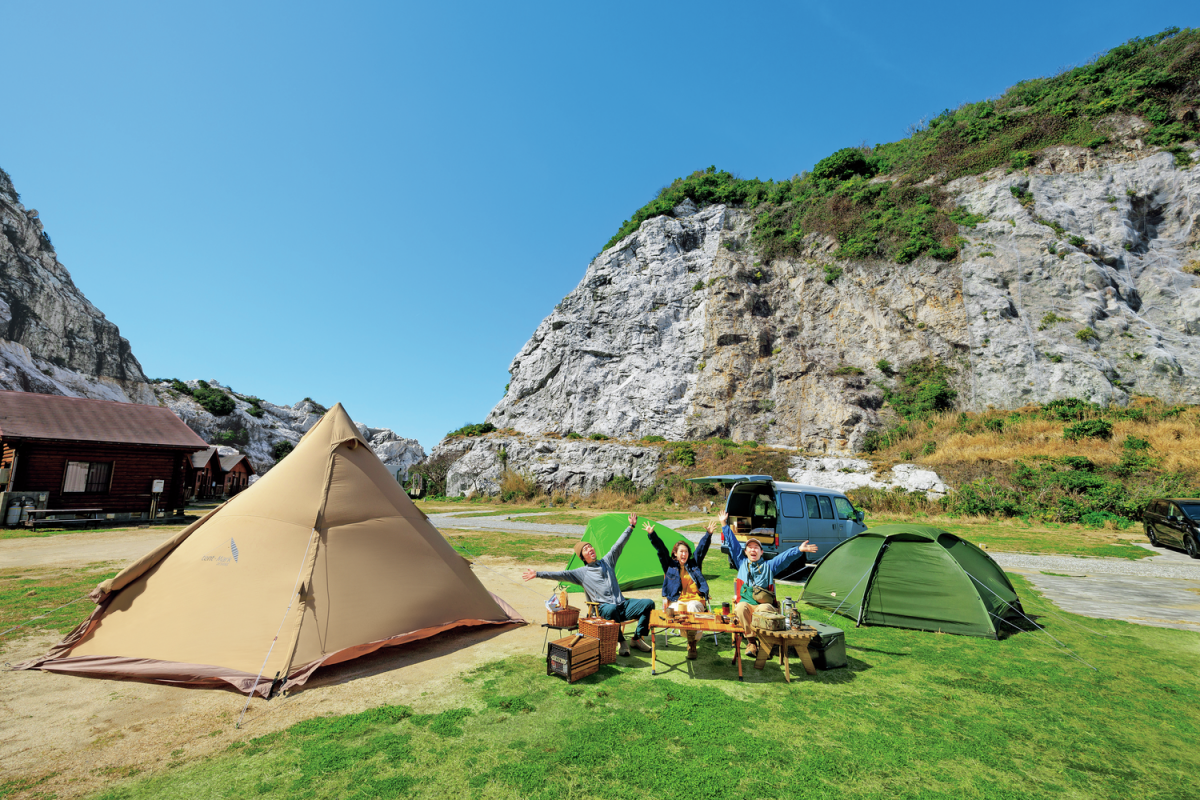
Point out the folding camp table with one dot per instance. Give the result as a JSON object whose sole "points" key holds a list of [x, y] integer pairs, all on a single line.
{"points": [[704, 623]]}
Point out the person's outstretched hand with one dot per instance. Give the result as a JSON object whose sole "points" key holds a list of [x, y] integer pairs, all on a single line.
{"points": [[530, 574], [808, 548], [648, 527], [633, 520], [711, 527], [723, 517]]}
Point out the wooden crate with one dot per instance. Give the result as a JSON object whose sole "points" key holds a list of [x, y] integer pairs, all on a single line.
{"points": [[573, 657]]}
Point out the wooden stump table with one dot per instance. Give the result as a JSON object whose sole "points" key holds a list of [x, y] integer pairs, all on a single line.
{"points": [[785, 640]]}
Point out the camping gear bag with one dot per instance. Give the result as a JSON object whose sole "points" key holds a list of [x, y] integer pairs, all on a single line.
{"points": [[573, 657], [604, 631], [828, 648], [767, 620], [764, 598]]}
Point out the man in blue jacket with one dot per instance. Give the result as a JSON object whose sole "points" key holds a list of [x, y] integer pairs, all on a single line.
{"points": [[754, 573], [684, 585], [598, 577]]}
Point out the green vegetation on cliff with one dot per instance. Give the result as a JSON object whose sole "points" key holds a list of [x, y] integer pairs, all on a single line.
{"points": [[875, 201]]}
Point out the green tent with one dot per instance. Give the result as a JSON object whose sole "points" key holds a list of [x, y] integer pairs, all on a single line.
{"points": [[638, 566], [914, 576]]}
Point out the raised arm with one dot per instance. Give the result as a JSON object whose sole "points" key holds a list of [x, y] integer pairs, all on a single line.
{"points": [[613, 554], [788, 557], [735, 547], [565, 577], [664, 557], [702, 546]]}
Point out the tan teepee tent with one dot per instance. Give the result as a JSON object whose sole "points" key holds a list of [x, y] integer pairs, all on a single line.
{"points": [[322, 560]]}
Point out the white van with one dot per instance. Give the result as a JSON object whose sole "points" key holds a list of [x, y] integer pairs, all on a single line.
{"points": [[782, 515]]}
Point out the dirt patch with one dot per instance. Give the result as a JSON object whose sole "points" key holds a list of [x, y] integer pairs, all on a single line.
{"points": [[85, 733], [81, 548]]}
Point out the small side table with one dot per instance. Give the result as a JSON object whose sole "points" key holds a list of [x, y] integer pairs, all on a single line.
{"points": [[785, 640]]}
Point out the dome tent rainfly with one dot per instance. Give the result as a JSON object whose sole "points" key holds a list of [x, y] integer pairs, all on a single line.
{"points": [[325, 555], [638, 567], [915, 576]]}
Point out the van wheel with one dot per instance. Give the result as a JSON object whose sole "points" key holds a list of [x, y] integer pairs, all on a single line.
{"points": [[1150, 535], [1189, 544]]}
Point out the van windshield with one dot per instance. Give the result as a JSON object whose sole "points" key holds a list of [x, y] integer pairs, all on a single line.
{"points": [[844, 509]]}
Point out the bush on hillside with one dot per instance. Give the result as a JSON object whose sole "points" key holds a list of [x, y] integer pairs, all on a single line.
{"points": [[281, 448], [214, 401], [478, 429]]}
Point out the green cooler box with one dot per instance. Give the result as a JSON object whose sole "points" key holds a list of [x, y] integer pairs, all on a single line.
{"points": [[828, 648]]}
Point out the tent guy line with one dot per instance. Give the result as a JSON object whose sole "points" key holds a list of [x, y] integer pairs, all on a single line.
{"points": [[286, 611]]}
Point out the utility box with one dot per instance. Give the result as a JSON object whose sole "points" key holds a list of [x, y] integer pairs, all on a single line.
{"points": [[828, 648]]}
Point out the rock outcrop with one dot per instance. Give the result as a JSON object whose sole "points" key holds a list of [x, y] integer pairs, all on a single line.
{"points": [[555, 465], [54, 340], [1082, 283], [258, 428]]}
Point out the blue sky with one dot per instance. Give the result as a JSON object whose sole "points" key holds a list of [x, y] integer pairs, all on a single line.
{"points": [[377, 203]]}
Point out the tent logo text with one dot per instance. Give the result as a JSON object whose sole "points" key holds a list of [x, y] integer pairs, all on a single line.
{"points": [[224, 561]]}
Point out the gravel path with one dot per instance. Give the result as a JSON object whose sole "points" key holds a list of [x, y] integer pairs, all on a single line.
{"points": [[517, 523]]}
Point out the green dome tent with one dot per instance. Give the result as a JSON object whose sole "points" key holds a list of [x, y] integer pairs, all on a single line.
{"points": [[638, 566], [914, 576]]}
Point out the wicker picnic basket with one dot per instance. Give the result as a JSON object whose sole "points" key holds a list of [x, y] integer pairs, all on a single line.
{"points": [[604, 630], [563, 617]]}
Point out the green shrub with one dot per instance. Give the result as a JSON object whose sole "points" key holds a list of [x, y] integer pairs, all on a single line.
{"points": [[653, 438], [317, 407], [181, 387], [214, 401], [923, 389], [1088, 429], [682, 453], [1023, 195], [1051, 319], [1021, 159], [598, 437], [1096, 519], [1086, 335], [237, 436], [846, 369], [884, 366], [573, 435], [962, 216], [621, 484], [478, 429], [1069, 408], [831, 273], [281, 449], [1076, 241], [994, 425]]}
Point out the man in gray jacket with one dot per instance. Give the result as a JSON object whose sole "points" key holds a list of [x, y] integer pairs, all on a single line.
{"points": [[598, 577]]}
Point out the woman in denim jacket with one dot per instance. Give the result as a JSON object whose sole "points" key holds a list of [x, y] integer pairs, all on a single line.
{"points": [[684, 585]]}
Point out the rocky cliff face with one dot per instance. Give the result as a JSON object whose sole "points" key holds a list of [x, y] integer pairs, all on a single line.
{"points": [[54, 340], [1082, 283], [256, 429]]}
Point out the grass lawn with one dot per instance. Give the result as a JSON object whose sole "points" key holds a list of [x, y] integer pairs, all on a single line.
{"points": [[29, 592], [37, 533], [534, 548], [914, 715]]}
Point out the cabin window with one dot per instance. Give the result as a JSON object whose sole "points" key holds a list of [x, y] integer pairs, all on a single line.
{"points": [[87, 476], [826, 508], [814, 511], [792, 504]]}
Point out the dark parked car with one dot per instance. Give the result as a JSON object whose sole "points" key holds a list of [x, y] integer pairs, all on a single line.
{"points": [[1174, 522]]}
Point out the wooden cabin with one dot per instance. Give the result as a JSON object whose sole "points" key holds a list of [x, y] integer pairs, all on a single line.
{"points": [[237, 469], [77, 458], [205, 477]]}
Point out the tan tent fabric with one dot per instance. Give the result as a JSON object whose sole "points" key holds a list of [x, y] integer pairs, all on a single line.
{"points": [[323, 559]]}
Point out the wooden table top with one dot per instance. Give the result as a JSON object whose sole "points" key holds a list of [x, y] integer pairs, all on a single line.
{"points": [[702, 622]]}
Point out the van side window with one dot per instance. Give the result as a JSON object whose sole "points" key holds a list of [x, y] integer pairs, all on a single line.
{"points": [[843, 507], [791, 504], [814, 511], [826, 508]]}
